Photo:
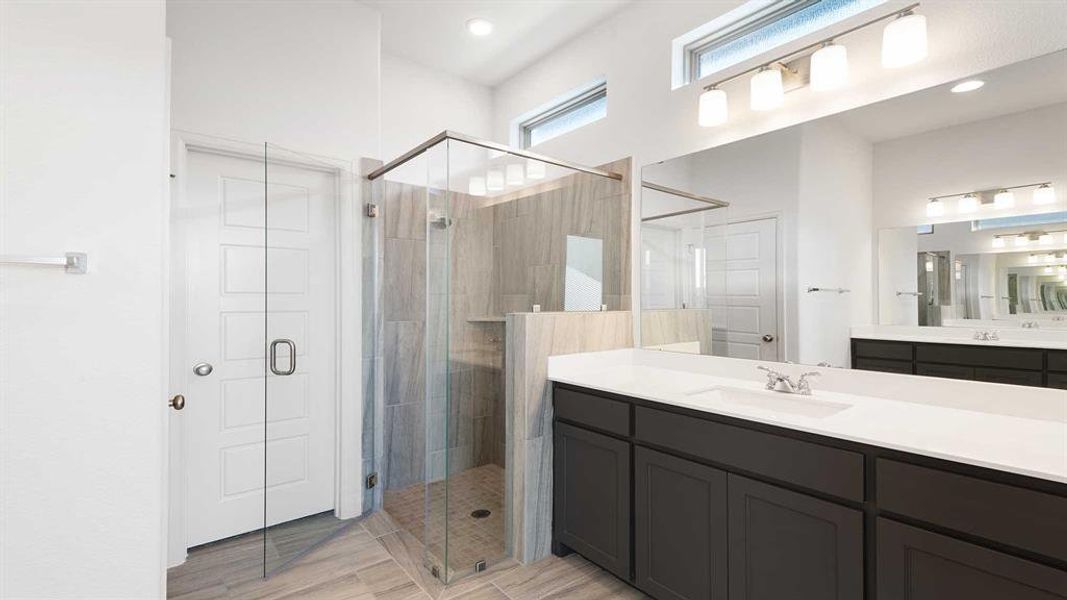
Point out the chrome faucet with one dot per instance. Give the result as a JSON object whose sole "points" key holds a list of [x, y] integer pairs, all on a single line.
{"points": [[779, 382]]}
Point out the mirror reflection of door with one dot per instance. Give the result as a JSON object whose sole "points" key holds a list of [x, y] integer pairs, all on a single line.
{"points": [[750, 306]]}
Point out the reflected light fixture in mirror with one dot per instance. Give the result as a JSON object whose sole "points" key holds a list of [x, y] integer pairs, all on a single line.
{"points": [[998, 242], [904, 41], [969, 203], [514, 175], [476, 185], [1045, 194], [767, 92], [713, 109], [1022, 240], [1044, 239], [1004, 199], [494, 180], [829, 67], [935, 208]]}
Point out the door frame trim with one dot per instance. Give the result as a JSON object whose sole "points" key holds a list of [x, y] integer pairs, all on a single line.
{"points": [[348, 459]]}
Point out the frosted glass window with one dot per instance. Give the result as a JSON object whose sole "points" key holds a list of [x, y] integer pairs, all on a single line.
{"points": [[762, 25], [578, 111], [583, 287], [1053, 218]]}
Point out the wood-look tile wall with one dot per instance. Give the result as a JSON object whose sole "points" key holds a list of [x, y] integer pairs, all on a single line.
{"points": [[667, 326], [531, 339]]}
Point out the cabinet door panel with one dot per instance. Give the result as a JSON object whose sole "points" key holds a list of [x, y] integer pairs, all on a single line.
{"points": [[788, 545], [914, 564], [680, 532], [591, 500]]}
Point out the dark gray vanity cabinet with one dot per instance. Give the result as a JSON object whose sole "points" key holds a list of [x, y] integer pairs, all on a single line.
{"points": [[789, 545], [688, 505], [1033, 367], [591, 501], [915, 564], [680, 532]]}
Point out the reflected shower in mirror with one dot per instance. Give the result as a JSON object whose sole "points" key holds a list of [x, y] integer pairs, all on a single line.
{"points": [[929, 212]]}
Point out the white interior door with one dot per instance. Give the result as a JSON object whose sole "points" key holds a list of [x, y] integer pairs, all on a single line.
{"points": [[249, 432], [751, 310]]}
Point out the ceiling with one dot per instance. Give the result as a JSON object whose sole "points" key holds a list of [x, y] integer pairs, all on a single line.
{"points": [[1015, 88], [434, 34]]}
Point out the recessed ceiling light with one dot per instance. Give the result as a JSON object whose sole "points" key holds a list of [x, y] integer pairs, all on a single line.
{"points": [[967, 86], [479, 27]]}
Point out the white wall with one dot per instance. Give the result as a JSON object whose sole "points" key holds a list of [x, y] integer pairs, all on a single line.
{"points": [[82, 87], [419, 102], [1013, 149], [304, 75], [834, 244]]}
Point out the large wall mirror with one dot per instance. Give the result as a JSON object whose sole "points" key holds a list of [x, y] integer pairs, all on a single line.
{"points": [[935, 209]]}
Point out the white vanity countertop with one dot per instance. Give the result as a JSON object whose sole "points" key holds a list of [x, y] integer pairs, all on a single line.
{"points": [[1051, 339], [1009, 428]]}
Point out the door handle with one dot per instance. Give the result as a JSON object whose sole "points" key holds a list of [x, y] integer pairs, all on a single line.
{"points": [[177, 402], [274, 357], [768, 338]]}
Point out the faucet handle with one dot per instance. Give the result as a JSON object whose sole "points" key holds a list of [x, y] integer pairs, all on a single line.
{"points": [[773, 377], [803, 385]]}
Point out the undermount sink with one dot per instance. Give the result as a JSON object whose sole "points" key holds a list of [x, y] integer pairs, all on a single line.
{"points": [[792, 404]]}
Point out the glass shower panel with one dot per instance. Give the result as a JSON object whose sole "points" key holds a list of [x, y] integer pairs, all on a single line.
{"points": [[311, 485]]}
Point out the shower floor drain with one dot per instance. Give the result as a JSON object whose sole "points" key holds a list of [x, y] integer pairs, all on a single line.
{"points": [[481, 513]]}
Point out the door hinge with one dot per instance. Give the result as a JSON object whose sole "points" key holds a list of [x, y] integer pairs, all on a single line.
{"points": [[372, 481], [372, 210]]}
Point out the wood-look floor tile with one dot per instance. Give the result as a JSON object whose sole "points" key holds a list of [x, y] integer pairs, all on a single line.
{"points": [[487, 591], [387, 581], [539, 579], [409, 554], [600, 585], [379, 524]]}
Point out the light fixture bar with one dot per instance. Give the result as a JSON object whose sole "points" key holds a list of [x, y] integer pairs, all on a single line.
{"points": [[782, 58], [976, 192]]}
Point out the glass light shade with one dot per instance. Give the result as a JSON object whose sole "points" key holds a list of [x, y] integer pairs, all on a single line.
{"points": [[829, 68], [1050, 258], [1063, 270], [713, 109], [1022, 240], [1004, 199], [1048, 270], [935, 208], [1046, 194], [1045, 238], [766, 89], [515, 175], [998, 242], [535, 169], [968, 204], [1032, 259], [476, 185], [904, 41], [494, 180]]}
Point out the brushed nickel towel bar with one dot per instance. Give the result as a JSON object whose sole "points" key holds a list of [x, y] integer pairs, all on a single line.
{"points": [[74, 263]]}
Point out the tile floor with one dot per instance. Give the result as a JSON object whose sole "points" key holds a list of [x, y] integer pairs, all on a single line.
{"points": [[469, 539], [376, 560]]}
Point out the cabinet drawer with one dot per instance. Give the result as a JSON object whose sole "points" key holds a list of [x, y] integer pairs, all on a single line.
{"points": [[828, 470], [1015, 516], [974, 356], [882, 349], [1057, 360], [1011, 376], [594, 411], [1057, 380], [946, 371], [886, 366], [914, 564]]}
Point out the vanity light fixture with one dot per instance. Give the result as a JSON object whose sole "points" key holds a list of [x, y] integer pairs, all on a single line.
{"points": [[935, 208], [1004, 199], [1050, 258], [1044, 239], [535, 169], [494, 180], [1048, 270], [1032, 259], [476, 185], [829, 67], [515, 175], [969, 203], [713, 108], [766, 89], [967, 86], [1045, 194], [998, 242], [479, 27], [903, 43], [1022, 240]]}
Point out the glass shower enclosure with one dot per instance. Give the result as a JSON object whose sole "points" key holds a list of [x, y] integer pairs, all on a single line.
{"points": [[463, 233]]}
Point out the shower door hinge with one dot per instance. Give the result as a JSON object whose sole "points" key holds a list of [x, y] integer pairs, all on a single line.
{"points": [[372, 481], [372, 210]]}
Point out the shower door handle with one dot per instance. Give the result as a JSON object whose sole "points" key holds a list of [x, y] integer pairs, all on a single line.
{"points": [[274, 357]]}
